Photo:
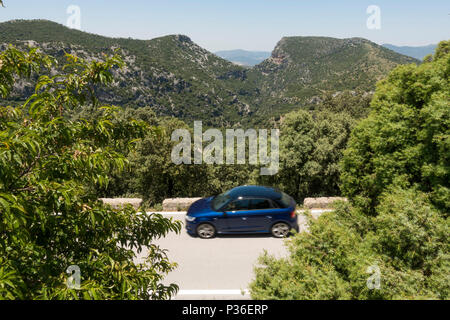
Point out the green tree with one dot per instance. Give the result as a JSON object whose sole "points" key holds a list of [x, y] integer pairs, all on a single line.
{"points": [[405, 140], [50, 217], [127, 182], [396, 174], [154, 173], [356, 104], [311, 146]]}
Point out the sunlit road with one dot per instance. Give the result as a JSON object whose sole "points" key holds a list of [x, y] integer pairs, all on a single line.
{"points": [[218, 268]]}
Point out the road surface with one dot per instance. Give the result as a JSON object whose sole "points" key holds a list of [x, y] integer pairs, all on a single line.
{"points": [[218, 268]]}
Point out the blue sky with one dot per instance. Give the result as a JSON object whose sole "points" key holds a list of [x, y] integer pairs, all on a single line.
{"points": [[247, 24]]}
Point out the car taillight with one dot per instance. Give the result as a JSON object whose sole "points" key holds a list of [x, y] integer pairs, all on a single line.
{"points": [[293, 214]]}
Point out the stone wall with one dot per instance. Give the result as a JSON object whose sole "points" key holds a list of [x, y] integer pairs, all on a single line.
{"points": [[182, 204], [118, 203], [178, 204], [321, 203]]}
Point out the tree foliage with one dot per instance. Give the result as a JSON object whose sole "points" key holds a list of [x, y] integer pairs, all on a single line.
{"points": [[152, 174], [407, 242], [405, 140], [311, 146], [396, 173], [50, 217]]}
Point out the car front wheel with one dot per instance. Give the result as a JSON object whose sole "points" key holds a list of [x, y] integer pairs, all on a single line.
{"points": [[206, 231], [280, 230]]}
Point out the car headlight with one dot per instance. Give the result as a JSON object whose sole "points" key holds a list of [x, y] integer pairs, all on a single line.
{"points": [[190, 219]]}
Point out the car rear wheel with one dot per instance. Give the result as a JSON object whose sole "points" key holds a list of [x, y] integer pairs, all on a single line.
{"points": [[206, 231], [280, 230]]}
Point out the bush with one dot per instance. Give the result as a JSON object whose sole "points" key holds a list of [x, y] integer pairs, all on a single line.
{"points": [[407, 241]]}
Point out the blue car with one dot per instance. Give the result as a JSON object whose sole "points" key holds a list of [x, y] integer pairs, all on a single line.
{"points": [[246, 209]]}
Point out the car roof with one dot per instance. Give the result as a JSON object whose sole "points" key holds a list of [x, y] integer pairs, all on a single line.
{"points": [[255, 191]]}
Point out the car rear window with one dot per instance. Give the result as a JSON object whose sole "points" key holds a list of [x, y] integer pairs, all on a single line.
{"points": [[285, 200]]}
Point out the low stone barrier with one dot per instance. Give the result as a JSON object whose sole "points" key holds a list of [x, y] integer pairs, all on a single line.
{"points": [[118, 203], [321, 203], [182, 204], [178, 204]]}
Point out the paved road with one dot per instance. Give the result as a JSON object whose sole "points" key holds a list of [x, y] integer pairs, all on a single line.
{"points": [[219, 268]]}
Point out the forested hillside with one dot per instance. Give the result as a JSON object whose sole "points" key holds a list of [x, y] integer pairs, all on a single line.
{"points": [[302, 69], [172, 75], [175, 77]]}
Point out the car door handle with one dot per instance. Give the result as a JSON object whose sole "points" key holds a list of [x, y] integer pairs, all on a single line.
{"points": [[244, 218], [269, 217]]}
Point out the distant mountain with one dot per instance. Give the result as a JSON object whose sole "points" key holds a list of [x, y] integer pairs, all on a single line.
{"points": [[171, 74], [301, 69], [243, 57], [415, 52], [176, 77]]}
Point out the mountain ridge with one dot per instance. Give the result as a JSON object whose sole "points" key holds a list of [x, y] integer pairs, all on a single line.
{"points": [[176, 77], [417, 52], [303, 68]]}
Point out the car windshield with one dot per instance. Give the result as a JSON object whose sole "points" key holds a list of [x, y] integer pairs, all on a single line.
{"points": [[220, 200]]}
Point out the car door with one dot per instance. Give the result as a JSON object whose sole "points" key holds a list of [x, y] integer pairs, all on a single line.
{"points": [[262, 212], [236, 215]]}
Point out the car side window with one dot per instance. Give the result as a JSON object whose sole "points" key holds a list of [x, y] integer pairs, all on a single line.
{"points": [[238, 205], [260, 204], [275, 204]]}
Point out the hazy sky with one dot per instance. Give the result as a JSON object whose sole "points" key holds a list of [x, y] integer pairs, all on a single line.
{"points": [[247, 24]]}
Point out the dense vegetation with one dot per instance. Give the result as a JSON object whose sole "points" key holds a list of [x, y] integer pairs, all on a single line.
{"points": [[50, 216], [171, 74], [302, 69], [396, 172], [311, 145], [175, 77]]}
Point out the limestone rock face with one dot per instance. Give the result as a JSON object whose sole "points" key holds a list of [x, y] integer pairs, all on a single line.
{"points": [[321, 203], [178, 204]]}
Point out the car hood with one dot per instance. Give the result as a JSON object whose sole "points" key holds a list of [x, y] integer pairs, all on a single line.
{"points": [[200, 206]]}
